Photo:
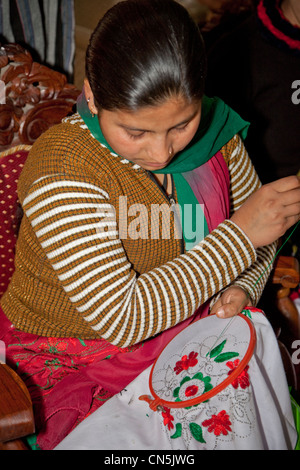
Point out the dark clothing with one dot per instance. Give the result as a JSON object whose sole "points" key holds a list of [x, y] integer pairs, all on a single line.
{"points": [[255, 76]]}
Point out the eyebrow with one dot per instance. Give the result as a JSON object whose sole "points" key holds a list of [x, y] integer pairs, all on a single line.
{"points": [[136, 129]]}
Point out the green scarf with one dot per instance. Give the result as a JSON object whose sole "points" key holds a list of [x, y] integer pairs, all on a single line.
{"points": [[218, 125]]}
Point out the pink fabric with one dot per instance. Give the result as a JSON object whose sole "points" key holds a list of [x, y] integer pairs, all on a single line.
{"points": [[69, 378], [11, 165], [210, 185], [216, 197]]}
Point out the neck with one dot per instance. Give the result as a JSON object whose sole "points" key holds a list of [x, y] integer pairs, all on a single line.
{"points": [[291, 11]]}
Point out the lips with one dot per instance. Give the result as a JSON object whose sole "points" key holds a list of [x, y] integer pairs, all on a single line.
{"points": [[157, 165]]}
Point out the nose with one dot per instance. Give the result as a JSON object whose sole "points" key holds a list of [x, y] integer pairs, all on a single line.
{"points": [[160, 150]]}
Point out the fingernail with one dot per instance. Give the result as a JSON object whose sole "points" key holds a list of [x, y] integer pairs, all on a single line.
{"points": [[221, 312]]}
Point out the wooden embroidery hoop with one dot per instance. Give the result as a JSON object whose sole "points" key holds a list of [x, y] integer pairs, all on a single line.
{"points": [[157, 403]]}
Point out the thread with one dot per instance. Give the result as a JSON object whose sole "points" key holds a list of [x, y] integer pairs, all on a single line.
{"points": [[275, 256]]}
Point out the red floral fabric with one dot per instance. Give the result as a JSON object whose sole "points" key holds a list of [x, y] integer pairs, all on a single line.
{"points": [[69, 378]]}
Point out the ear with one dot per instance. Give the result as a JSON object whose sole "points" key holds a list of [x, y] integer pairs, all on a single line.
{"points": [[89, 97]]}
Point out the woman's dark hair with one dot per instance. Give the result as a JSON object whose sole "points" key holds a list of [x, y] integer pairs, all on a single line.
{"points": [[144, 51]]}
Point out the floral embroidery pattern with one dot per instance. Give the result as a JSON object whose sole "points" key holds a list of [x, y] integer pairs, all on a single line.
{"points": [[247, 311], [243, 379], [178, 431], [218, 356], [218, 424], [191, 386], [186, 362], [168, 418], [211, 422], [199, 384], [53, 345], [196, 432]]}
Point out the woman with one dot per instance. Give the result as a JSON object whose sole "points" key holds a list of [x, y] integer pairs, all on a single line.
{"points": [[96, 275]]}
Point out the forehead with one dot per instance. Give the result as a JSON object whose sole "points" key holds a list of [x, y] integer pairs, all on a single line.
{"points": [[168, 114]]}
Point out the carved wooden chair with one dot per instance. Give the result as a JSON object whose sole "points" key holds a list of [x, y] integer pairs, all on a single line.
{"points": [[33, 98]]}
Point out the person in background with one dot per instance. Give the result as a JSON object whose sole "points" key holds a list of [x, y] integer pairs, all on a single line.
{"points": [[255, 69], [253, 65], [223, 16]]}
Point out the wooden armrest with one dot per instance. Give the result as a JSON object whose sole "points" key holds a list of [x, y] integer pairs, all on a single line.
{"points": [[16, 414], [286, 276], [286, 272], [36, 97]]}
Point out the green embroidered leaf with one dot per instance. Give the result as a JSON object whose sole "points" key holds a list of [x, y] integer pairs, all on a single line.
{"points": [[214, 352], [178, 431], [247, 313], [196, 432], [208, 387], [206, 380], [226, 356], [82, 342], [185, 379], [198, 376], [176, 392]]}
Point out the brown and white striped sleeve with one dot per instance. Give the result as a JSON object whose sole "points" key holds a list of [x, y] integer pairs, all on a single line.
{"points": [[73, 223], [244, 182]]}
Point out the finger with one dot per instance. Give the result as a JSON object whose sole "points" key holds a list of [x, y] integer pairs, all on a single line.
{"points": [[216, 306], [286, 184], [290, 221], [227, 311], [291, 210], [290, 197]]}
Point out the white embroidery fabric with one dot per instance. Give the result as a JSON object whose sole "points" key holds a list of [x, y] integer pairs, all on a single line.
{"points": [[252, 413], [203, 357]]}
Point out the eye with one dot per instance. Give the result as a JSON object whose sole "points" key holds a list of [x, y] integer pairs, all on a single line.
{"points": [[181, 128], [135, 134]]}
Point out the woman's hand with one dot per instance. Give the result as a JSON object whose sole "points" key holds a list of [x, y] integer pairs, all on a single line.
{"points": [[270, 211], [231, 302]]}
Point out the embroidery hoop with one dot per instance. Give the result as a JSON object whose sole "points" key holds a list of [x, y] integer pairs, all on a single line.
{"points": [[209, 350]]}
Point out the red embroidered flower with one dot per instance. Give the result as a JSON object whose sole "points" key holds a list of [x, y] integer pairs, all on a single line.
{"points": [[243, 379], [191, 391], [186, 362], [219, 424], [168, 418], [54, 345]]}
